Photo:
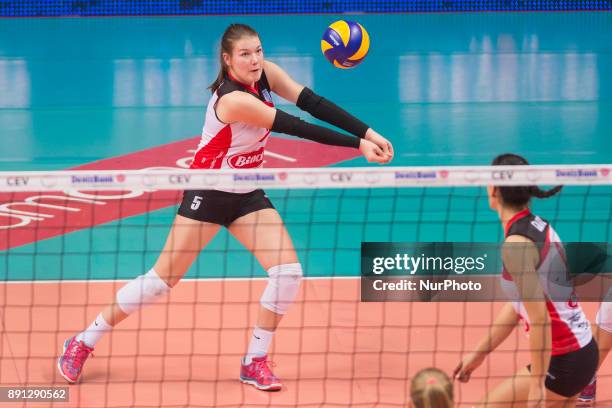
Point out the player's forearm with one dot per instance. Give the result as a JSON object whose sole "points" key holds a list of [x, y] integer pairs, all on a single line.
{"points": [[331, 113], [292, 125], [501, 328], [540, 343]]}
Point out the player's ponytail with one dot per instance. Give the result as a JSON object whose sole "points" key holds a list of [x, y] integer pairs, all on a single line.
{"points": [[431, 388], [519, 196], [539, 193], [232, 33]]}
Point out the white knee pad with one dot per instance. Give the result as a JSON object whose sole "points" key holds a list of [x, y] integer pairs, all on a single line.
{"points": [[604, 315], [283, 286], [141, 291]]}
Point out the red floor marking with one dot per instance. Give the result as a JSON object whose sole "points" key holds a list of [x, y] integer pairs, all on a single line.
{"points": [[44, 222]]}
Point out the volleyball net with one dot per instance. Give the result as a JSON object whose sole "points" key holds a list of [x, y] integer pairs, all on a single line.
{"points": [[70, 239]]}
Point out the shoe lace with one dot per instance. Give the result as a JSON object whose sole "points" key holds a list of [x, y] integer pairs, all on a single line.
{"points": [[78, 354], [264, 369]]}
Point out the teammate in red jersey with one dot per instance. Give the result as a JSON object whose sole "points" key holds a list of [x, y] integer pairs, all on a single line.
{"points": [[564, 354]]}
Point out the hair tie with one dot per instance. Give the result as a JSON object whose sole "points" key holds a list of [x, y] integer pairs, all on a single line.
{"points": [[432, 380]]}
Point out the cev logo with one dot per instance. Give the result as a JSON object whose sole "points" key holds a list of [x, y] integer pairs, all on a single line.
{"points": [[340, 177], [17, 181], [179, 179], [502, 175]]}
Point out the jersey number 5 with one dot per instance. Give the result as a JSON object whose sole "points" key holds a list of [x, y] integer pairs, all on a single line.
{"points": [[197, 200]]}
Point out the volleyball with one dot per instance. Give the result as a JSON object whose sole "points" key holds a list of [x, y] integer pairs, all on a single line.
{"points": [[345, 44]]}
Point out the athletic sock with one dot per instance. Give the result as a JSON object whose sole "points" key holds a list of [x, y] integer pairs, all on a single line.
{"points": [[259, 344], [94, 332]]}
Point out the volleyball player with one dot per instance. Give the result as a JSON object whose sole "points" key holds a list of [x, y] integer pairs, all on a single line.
{"points": [[564, 355], [239, 118]]}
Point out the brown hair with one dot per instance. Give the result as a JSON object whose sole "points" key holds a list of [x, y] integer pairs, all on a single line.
{"points": [[519, 196], [232, 33], [431, 388]]}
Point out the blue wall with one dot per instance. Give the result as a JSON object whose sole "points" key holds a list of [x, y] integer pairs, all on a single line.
{"points": [[51, 8]]}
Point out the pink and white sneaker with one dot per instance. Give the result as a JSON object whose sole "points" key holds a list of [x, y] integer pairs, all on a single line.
{"points": [[71, 362], [259, 375]]}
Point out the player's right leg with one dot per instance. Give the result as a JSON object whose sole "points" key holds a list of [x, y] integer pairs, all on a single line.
{"points": [[185, 241], [264, 234]]}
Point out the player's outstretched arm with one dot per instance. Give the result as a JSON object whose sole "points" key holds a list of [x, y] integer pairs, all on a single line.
{"points": [[501, 328], [245, 108], [321, 108]]}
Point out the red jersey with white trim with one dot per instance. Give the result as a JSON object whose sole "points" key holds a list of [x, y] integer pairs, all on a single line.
{"points": [[570, 328], [236, 145]]}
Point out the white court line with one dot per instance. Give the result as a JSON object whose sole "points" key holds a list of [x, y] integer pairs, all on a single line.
{"points": [[182, 280], [259, 278], [280, 156]]}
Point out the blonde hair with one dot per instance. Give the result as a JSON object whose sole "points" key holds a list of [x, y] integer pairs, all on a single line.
{"points": [[431, 388]]}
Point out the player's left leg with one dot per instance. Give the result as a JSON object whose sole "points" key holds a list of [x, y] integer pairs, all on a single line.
{"points": [[264, 234]]}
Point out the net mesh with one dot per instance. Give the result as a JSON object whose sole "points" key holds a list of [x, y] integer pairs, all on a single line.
{"points": [[70, 240]]}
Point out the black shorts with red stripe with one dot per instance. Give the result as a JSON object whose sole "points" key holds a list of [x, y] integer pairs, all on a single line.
{"points": [[221, 207]]}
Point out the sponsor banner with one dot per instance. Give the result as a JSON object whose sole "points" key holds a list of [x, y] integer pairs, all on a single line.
{"points": [[410, 177], [95, 180], [451, 272], [390, 177], [576, 174], [26, 217], [259, 178]]}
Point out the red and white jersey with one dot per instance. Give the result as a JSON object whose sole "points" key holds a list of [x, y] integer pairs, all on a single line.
{"points": [[570, 328], [236, 145]]}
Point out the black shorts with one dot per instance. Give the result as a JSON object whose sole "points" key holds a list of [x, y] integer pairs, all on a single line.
{"points": [[221, 207], [569, 373]]}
